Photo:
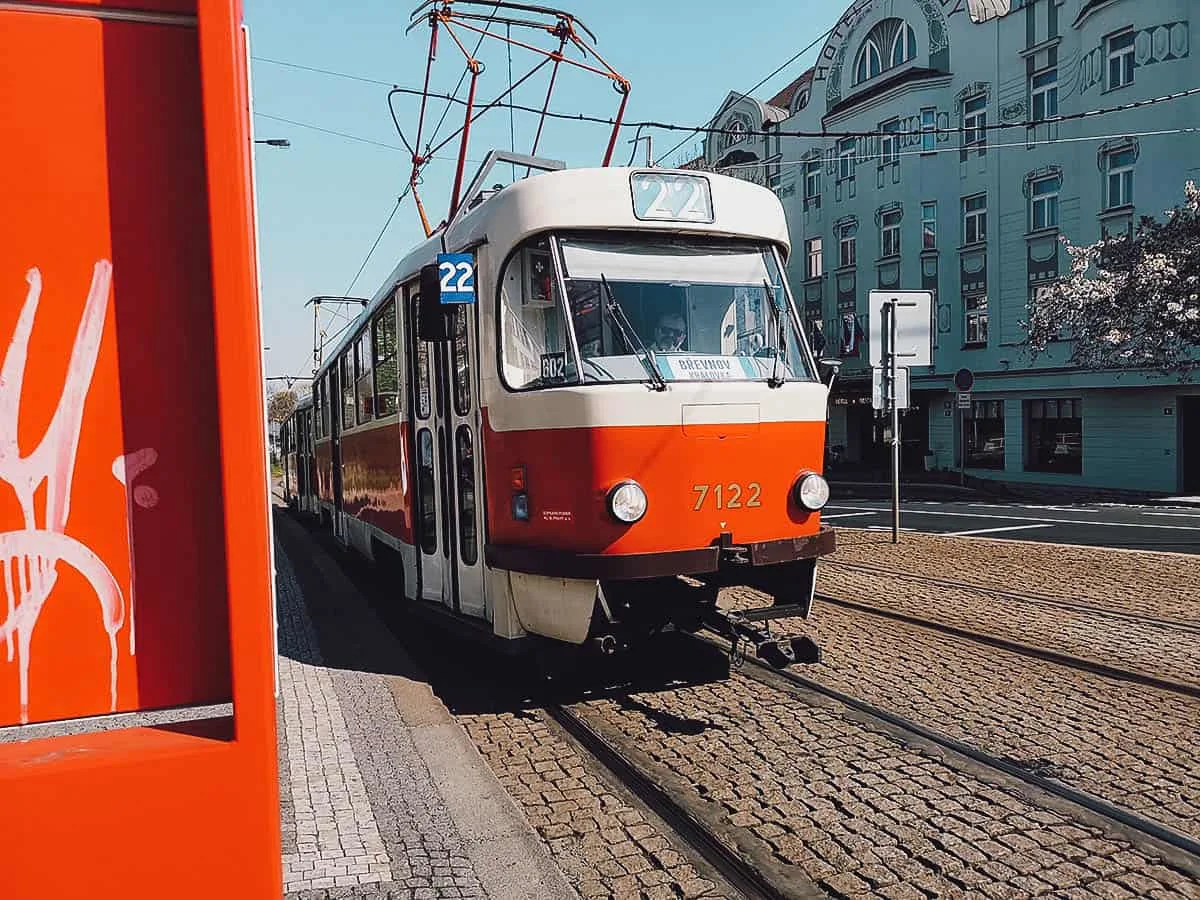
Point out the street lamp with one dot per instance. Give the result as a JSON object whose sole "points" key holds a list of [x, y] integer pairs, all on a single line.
{"points": [[275, 142]]}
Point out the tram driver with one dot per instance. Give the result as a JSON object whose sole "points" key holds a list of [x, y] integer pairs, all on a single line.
{"points": [[670, 334]]}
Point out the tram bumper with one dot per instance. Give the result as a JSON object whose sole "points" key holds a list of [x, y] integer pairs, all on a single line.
{"points": [[642, 592], [719, 560]]}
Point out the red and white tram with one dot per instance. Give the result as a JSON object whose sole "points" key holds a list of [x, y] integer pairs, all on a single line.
{"points": [[604, 386], [296, 452]]}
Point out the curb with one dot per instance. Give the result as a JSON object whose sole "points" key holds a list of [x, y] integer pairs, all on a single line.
{"points": [[507, 855]]}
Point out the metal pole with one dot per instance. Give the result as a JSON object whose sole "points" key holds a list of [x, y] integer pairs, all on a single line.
{"points": [[962, 444], [649, 151], [895, 427]]}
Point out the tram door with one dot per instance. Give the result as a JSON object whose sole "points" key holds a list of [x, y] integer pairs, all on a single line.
{"points": [[304, 460], [446, 462]]}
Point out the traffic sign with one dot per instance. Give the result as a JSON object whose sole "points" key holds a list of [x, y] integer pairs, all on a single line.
{"points": [[964, 399], [879, 389], [913, 334], [964, 379]]}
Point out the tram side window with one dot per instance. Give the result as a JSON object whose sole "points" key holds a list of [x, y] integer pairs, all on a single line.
{"points": [[387, 382], [346, 376], [330, 401], [464, 451], [462, 364], [420, 360], [536, 348], [427, 488], [364, 390]]}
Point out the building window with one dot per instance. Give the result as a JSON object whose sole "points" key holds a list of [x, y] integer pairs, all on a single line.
{"points": [[1043, 95], [889, 143], [928, 129], [1043, 203], [847, 237], [815, 267], [1120, 60], [984, 434], [1118, 168], [976, 328], [869, 63], [812, 180], [974, 120], [1054, 431], [974, 219], [928, 225], [845, 159], [889, 233], [904, 46]]}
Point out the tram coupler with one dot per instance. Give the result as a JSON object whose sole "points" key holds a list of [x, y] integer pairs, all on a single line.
{"points": [[778, 652]]}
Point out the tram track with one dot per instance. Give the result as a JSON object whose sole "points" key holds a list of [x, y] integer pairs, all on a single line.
{"points": [[1158, 834], [737, 871], [1028, 597], [1175, 686]]}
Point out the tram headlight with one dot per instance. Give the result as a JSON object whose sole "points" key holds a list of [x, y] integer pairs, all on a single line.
{"points": [[811, 491], [627, 502]]}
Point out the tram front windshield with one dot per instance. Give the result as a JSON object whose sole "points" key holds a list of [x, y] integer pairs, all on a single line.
{"points": [[650, 308]]}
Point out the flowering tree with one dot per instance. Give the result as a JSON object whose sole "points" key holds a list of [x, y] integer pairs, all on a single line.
{"points": [[280, 405], [1129, 302]]}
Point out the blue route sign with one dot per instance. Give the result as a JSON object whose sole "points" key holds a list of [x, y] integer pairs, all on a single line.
{"points": [[456, 277]]}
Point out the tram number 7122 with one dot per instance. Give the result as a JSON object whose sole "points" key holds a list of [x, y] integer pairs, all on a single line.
{"points": [[728, 496]]}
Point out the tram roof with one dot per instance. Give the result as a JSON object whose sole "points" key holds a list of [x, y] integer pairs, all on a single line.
{"points": [[581, 199]]}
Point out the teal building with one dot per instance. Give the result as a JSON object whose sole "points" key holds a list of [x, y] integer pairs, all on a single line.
{"points": [[878, 198]]}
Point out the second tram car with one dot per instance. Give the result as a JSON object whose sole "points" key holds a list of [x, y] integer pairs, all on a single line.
{"points": [[587, 384], [296, 452]]}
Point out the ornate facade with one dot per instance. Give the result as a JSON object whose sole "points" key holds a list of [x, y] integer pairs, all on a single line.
{"points": [[931, 165]]}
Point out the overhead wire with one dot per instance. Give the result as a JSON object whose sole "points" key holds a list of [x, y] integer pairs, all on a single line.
{"points": [[378, 238], [746, 94], [824, 133], [1008, 145], [353, 137]]}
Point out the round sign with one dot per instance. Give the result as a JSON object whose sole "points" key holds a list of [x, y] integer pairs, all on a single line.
{"points": [[964, 379]]}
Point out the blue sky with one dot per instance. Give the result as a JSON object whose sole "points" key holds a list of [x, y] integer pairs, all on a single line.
{"points": [[323, 201]]}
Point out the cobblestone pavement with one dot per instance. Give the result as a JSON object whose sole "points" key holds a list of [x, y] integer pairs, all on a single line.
{"points": [[1167, 583], [361, 813], [605, 846], [1134, 745], [863, 813], [1150, 648]]}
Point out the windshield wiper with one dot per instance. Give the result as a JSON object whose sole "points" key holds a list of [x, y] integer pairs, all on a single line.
{"points": [[656, 377], [776, 380]]}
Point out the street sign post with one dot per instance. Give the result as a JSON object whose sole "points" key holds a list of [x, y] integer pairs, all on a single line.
{"points": [[899, 323], [879, 394], [964, 380]]}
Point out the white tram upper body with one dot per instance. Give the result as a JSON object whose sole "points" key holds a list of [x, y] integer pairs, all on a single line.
{"points": [[627, 397]]}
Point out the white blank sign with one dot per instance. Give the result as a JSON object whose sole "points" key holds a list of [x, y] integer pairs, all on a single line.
{"points": [[879, 390], [912, 327]]}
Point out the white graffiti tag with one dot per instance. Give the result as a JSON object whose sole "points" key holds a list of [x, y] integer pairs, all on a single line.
{"points": [[29, 557]]}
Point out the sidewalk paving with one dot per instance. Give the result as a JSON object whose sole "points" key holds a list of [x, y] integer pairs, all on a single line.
{"points": [[382, 792]]}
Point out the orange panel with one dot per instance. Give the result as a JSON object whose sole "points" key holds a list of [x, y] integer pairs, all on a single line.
{"points": [[131, 409], [108, 224]]}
